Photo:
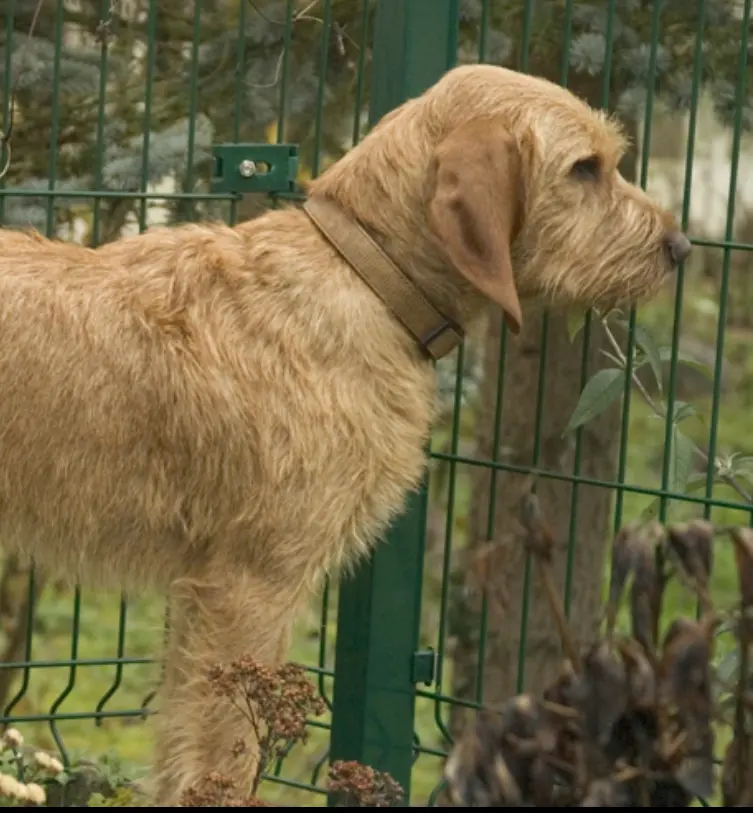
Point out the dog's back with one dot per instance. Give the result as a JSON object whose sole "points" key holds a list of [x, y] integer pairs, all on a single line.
{"points": [[99, 423], [181, 398]]}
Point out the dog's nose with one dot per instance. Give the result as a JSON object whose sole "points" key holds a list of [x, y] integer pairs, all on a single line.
{"points": [[677, 246]]}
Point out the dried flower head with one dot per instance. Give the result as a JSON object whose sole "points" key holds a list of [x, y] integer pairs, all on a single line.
{"points": [[239, 747], [218, 790], [13, 738], [276, 702], [630, 721], [47, 762], [9, 786], [357, 785], [35, 794]]}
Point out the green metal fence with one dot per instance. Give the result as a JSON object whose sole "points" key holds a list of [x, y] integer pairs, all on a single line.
{"points": [[112, 100]]}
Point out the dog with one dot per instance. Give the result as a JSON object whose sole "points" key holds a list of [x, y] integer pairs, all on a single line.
{"points": [[228, 414]]}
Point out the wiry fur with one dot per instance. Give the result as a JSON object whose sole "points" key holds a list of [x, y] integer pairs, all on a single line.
{"points": [[231, 412]]}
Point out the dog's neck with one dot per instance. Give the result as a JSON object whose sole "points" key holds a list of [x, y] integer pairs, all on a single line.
{"points": [[436, 334], [400, 231], [385, 191]]}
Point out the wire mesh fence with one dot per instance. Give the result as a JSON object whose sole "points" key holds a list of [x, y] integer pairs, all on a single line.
{"points": [[111, 111]]}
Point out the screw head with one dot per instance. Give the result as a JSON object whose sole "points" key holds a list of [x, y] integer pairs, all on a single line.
{"points": [[247, 168]]}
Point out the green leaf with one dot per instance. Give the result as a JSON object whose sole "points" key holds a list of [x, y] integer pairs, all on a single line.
{"points": [[645, 341], [600, 392], [727, 671], [611, 356], [682, 410], [742, 465], [680, 462], [665, 354], [728, 625], [576, 319]]}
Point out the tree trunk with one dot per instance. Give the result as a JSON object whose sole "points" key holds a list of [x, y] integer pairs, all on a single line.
{"points": [[505, 582]]}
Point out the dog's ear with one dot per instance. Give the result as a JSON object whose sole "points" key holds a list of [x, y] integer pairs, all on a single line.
{"points": [[475, 206]]}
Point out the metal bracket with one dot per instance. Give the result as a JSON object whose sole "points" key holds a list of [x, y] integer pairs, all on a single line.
{"points": [[241, 169], [425, 667]]}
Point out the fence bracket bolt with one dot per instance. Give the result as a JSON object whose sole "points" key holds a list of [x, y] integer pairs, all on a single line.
{"points": [[247, 168], [243, 169], [425, 667]]}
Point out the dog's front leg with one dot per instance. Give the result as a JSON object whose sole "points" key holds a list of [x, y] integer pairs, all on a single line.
{"points": [[214, 624]]}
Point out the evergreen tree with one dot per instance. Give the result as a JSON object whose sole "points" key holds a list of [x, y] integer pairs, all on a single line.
{"points": [[186, 76]]}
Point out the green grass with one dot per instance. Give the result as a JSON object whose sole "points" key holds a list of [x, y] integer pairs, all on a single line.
{"points": [[131, 739]]}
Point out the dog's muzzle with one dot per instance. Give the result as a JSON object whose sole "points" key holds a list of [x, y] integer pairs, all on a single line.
{"points": [[677, 247]]}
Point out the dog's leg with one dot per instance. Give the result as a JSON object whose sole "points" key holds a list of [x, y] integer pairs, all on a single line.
{"points": [[211, 624]]}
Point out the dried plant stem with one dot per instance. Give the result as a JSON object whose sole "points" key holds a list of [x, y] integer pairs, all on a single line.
{"points": [[5, 138], [635, 728], [628, 774], [302, 15], [571, 650], [674, 747], [741, 712], [728, 479], [558, 710], [540, 542]]}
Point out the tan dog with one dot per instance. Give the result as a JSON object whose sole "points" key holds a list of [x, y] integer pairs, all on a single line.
{"points": [[233, 412]]}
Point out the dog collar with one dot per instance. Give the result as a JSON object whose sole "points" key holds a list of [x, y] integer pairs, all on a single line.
{"points": [[436, 335]]}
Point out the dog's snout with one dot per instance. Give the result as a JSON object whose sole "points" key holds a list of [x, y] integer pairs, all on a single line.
{"points": [[677, 246]]}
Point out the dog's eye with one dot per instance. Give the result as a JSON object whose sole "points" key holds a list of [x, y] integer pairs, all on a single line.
{"points": [[587, 169]]}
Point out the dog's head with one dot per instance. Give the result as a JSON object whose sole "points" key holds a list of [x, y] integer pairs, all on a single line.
{"points": [[499, 183]]}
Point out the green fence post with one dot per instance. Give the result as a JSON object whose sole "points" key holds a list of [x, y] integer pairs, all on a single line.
{"points": [[415, 42]]}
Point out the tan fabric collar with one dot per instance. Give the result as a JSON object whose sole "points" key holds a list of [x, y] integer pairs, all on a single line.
{"points": [[436, 335]]}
